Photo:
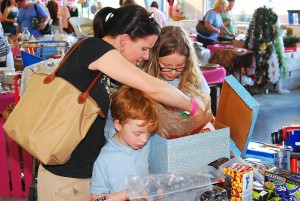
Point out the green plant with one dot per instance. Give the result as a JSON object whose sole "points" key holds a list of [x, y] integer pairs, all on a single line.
{"points": [[289, 41], [261, 38]]}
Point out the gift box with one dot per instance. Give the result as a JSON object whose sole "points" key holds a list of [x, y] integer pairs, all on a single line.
{"points": [[235, 119], [238, 110]]}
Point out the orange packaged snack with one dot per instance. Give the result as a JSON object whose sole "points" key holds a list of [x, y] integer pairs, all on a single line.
{"points": [[241, 181]]}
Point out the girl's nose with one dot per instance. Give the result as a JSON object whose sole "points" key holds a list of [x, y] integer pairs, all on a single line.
{"points": [[173, 72]]}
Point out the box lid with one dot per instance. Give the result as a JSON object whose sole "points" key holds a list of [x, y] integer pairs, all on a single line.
{"points": [[238, 110]]}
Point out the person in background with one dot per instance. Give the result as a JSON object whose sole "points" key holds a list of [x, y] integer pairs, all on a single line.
{"points": [[228, 21], [64, 13], [1, 14], [10, 18], [129, 2], [26, 13], [44, 7], [120, 2], [73, 10], [53, 9], [214, 23], [122, 38], [159, 15], [126, 152], [6, 56]]}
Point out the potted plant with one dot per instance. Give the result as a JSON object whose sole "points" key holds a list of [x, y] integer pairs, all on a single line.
{"points": [[290, 41]]}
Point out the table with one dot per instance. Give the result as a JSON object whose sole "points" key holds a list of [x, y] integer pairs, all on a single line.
{"points": [[213, 48], [234, 58], [214, 75], [214, 78]]}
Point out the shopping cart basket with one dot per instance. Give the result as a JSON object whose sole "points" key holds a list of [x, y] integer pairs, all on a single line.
{"points": [[35, 51]]}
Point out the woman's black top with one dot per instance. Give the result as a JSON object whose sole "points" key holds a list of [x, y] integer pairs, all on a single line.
{"points": [[75, 70]]}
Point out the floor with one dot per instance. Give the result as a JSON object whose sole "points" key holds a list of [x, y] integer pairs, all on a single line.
{"points": [[276, 110]]}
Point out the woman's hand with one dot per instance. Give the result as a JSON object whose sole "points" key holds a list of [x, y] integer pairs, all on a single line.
{"points": [[42, 25], [203, 113]]}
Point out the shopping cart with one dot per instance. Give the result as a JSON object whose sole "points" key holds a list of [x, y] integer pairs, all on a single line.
{"points": [[35, 51]]}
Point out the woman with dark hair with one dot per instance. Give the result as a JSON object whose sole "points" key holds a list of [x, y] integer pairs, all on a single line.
{"points": [[53, 9], [123, 38], [10, 17]]}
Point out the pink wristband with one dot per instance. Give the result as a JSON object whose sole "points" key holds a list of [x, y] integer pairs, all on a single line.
{"points": [[194, 107]]}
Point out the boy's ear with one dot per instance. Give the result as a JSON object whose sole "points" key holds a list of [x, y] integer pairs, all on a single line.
{"points": [[117, 125]]}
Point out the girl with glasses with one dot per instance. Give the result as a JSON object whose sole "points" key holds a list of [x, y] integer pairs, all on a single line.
{"points": [[173, 59]]}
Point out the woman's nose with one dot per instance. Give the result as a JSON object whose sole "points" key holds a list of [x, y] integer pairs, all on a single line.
{"points": [[146, 55]]}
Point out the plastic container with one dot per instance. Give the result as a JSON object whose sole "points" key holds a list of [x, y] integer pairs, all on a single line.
{"points": [[157, 186]]}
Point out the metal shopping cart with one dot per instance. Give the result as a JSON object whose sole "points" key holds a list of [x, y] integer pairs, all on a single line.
{"points": [[35, 51]]}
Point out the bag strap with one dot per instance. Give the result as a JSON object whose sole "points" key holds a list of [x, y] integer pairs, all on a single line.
{"points": [[84, 95], [36, 10], [206, 14]]}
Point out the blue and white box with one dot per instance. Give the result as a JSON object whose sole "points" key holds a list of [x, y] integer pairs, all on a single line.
{"points": [[235, 119]]}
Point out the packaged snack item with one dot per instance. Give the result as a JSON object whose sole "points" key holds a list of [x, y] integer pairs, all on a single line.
{"points": [[285, 184], [216, 193], [241, 181]]}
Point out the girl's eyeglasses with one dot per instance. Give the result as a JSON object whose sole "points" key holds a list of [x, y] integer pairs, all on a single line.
{"points": [[180, 70]]}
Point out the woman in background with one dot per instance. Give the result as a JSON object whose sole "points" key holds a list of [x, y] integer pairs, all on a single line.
{"points": [[53, 9], [214, 23], [64, 13], [10, 18]]}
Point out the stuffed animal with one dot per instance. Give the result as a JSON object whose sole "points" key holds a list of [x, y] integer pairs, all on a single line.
{"points": [[179, 12]]}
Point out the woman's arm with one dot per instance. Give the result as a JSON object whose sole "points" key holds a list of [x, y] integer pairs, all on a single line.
{"points": [[18, 29], [117, 67], [1, 17], [225, 30], [226, 22], [210, 27]]}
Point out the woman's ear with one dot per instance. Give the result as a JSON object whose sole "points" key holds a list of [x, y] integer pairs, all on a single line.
{"points": [[117, 125], [123, 39]]}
